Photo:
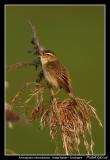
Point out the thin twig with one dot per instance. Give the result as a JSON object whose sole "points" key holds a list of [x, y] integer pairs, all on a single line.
{"points": [[57, 112], [65, 144], [20, 65], [18, 94], [35, 40]]}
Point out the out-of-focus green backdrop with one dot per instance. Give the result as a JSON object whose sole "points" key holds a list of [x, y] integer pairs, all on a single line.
{"points": [[76, 34]]}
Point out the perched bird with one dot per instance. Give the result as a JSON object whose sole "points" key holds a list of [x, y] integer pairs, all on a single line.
{"points": [[55, 73]]}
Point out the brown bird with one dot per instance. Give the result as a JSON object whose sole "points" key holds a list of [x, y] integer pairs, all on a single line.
{"points": [[55, 73]]}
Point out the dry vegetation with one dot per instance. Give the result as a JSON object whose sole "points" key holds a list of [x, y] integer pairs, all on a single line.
{"points": [[73, 121]]}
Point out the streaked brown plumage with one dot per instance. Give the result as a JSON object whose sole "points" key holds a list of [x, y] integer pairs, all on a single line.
{"points": [[56, 69]]}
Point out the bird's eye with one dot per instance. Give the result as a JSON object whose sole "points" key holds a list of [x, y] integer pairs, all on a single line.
{"points": [[49, 54]]}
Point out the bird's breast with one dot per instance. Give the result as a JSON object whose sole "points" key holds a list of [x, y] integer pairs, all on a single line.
{"points": [[50, 78]]}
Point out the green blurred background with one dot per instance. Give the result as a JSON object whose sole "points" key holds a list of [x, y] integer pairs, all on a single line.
{"points": [[76, 35]]}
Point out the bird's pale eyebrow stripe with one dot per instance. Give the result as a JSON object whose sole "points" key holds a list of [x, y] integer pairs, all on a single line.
{"points": [[49, 54]]}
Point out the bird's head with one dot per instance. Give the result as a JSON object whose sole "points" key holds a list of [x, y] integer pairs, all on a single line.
{"points": [[47, 56]]}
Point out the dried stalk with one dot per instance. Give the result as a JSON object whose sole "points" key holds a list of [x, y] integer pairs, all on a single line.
{"points": [[72, 122], [18, 94], [35, 40], [20, 65], [65, 144]]}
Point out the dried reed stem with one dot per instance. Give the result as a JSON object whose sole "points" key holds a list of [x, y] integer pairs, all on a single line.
{"points": [[19, 65], [18, 94], [65, 144], [35, 40]]}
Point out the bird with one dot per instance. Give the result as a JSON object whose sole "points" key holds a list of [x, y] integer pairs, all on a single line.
{"points": [[55, 73]]}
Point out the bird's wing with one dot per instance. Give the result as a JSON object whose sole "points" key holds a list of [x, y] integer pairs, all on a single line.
{"points": [[64, 79], [62, 75]]}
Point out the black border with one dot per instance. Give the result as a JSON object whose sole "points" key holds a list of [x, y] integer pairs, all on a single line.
{"points": [[107, 79], [2, 58], [2, 79]]}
